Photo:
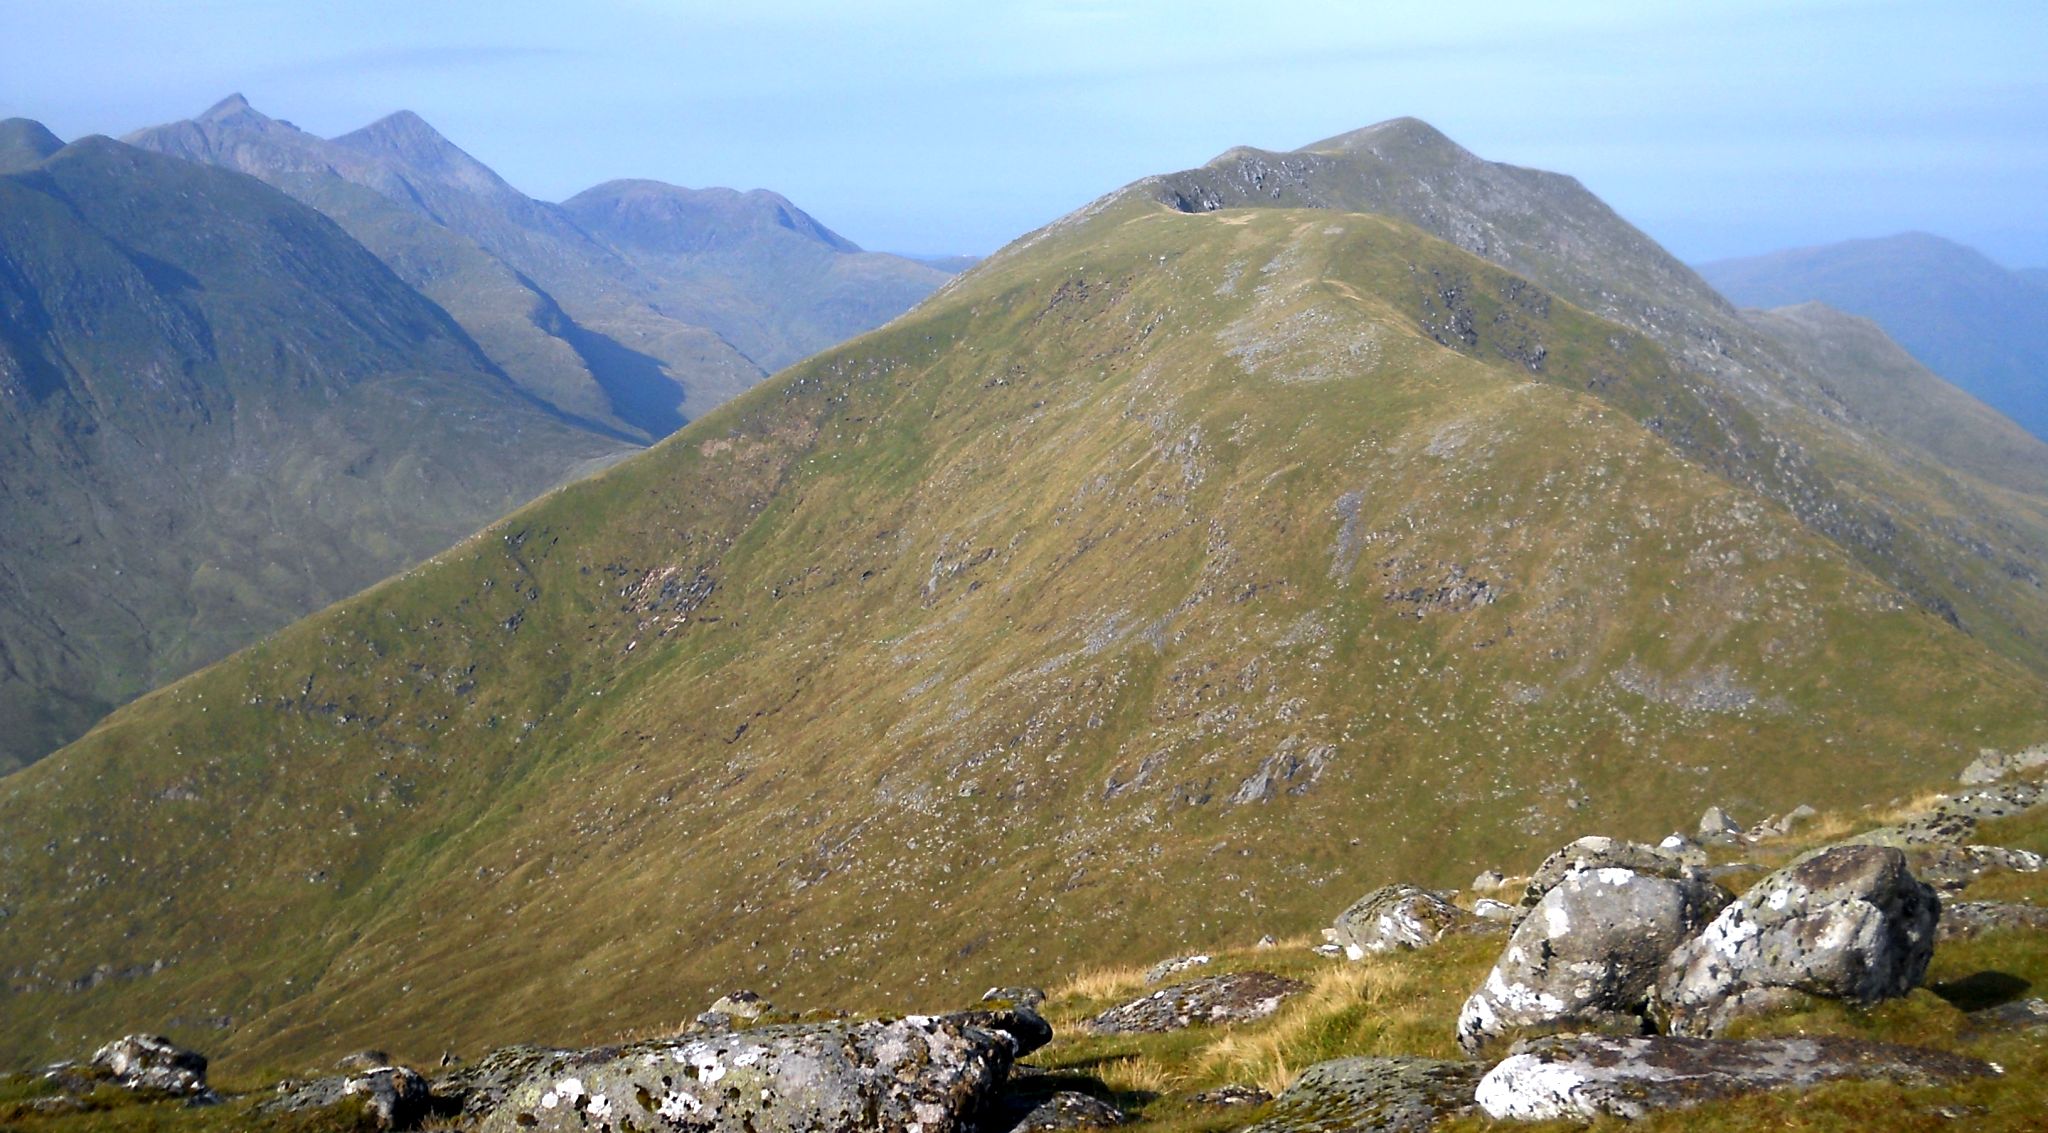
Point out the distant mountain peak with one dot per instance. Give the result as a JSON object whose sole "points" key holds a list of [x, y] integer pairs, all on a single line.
{"points": [[231, 107], [421, 150], [25, 142], [671, 218], [1408, 133]]}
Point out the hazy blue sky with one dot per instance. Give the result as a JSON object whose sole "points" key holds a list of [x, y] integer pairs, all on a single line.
{"points": [[953, 125]]}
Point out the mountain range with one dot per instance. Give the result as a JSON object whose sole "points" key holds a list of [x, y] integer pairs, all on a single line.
{"points": [[636, 304], [1978, 324], [226, 409], [1255, 535]]}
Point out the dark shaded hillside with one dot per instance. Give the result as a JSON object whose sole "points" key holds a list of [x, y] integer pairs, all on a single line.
{"points": [[1975, 323], [1171, 573], [220, 413]]}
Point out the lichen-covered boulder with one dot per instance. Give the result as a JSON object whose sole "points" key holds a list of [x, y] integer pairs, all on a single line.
{"points": [[1588, 955], [1373, 1095], [1583, 1077], [917, 1072], [1846, 922], [1066, 1109], [153, 1062], [1234, 1096], [1020, 994], [1167, 969], [1949, 868], [1597, 852], [1233, 998], [1026, 1028], [1397, 917], [479, 1087]]}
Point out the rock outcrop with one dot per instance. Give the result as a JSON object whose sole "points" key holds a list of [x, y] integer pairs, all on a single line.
{"points": [[1398, 917], [917, 1072], [1589, 954], [395, 1097], [1964, 919], [1374, 1095], [1847, 922], [1597, 852], [1583, 1077], [1233, 998], [153, 1062]]}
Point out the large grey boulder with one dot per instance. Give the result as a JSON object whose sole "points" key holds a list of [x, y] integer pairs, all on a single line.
{"points": [[1237, 997], [153, 1062], [1398, 917], [1846, 922], [921, 1072], [1992, 765], [1597, 852], [1589, 954], [1373, 1095], [1583, 1077]]}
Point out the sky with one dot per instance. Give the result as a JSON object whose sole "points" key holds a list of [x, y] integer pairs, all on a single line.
{"points": [[952, 126]]}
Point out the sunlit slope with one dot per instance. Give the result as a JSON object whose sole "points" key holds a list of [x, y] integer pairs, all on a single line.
{"points": [[1163, 581]]}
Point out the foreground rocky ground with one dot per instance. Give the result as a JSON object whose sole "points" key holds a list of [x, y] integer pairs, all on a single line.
{"points": [[1883, 970]]}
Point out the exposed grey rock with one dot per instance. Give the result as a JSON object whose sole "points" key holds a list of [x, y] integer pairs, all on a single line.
{"points": [[1167, 969], [1964, 919], [1846, 922], [1991, 766], [397, 1097], [1589, 954], [1488, 909], [1230, 1097], [363, 1060], [1582, 1077], [1233, 998], [1596, 852], [1020, 995], [922, 1072], [1373, 1095], [153, 1062], [1397, 917], [482, 1086], [1797, 817], [2020, 1014], [1716, 825], [1953, 867], [1027, 1029], [1067, 1109], [1488, 881]]}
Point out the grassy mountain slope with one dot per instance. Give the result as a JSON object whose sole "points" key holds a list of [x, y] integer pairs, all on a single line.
{"points": [[1975, 562], [1170, 576], [1897, 396], [219, 414], [25, 143], [1968, 319], [753, 266]]}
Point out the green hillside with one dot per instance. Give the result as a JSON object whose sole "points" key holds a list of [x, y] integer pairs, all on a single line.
{"points": [[1173, 577], [217, 413]]}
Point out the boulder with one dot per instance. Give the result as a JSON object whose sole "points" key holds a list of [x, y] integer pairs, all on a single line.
{"points": [[482, 1086], [1027, 1029], [1963, 919], [394, 1096], [153, 1062], [1397, 917], [1846, 922], [734, 1009], [1583, 1077], [1067, 1109], [1589, 954], [1019, 995], [1596, 852], [1233, 998], [1488, 881], [1167, 969], [1716, 825], [1497, 912], [916, 1072], [1950, 868], [1992, 765], [1373, 1095]]}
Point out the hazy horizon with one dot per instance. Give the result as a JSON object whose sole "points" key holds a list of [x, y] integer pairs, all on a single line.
{"points": [[917, 127]]}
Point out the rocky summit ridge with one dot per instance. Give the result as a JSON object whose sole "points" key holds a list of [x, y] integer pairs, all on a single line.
{"points": [[1176, 574]]}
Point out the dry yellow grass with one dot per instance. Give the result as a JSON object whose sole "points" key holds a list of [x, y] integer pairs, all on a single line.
{"points": [[1100, 982]]}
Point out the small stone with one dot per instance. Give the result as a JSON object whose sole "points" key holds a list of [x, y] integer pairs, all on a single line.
{"points": [[1374, 1095], [1231, 1097], [1020, 995], [1488, 882], [1716, 825]]}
